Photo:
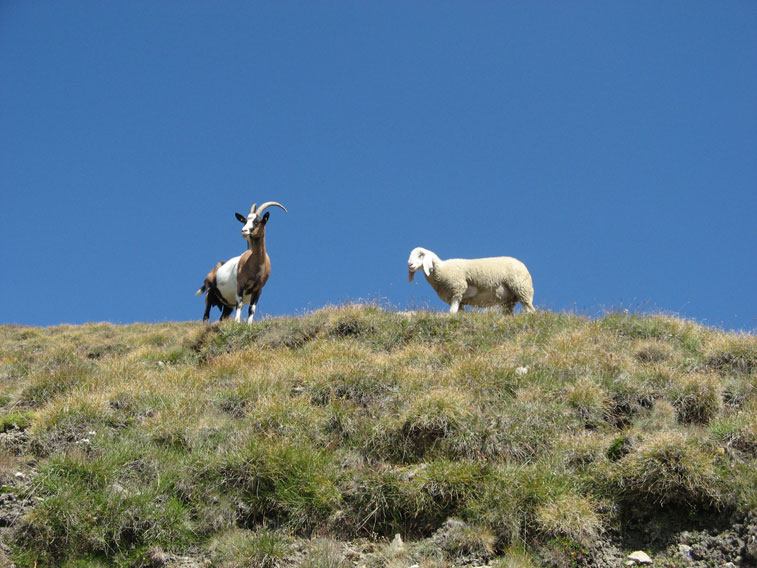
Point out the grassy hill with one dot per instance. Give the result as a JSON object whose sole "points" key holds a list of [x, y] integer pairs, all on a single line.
{"points": [[544, 439]]}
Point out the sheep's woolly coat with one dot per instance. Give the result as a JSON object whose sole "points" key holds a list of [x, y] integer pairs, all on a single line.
{"points": [[482, 282]]}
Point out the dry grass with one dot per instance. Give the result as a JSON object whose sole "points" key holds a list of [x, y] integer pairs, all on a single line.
{"points": [[355, 422]]}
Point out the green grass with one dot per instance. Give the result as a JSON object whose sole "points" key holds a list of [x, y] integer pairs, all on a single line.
{"points": [[542, 434]]}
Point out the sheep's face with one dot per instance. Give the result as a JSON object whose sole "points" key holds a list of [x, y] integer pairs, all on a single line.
{"points": [[419, 258], [254, 225]]}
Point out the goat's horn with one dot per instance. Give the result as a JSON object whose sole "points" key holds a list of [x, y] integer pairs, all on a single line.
{"points": [[268, 204], [252, 209]]}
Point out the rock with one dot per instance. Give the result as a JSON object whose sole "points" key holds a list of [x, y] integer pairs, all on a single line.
{"points": [[397, 544], [639, 558], [685, 551], [157, 557], [751, 544]]}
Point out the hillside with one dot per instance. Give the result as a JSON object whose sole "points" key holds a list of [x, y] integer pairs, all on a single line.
{"points": [[544, 439]]}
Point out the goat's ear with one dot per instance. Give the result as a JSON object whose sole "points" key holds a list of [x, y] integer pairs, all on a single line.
{"points": [[240, 217], [428, 264], [264, 220]]}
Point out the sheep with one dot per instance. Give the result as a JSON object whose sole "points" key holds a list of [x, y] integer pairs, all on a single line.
{"points": [[497, 281], [240, 280]]}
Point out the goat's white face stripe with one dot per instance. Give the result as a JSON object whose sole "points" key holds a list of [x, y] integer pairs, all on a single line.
{"points": [[250, 224]]}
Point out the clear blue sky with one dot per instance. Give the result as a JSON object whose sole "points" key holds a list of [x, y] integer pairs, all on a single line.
{"points": [[611, 146]]}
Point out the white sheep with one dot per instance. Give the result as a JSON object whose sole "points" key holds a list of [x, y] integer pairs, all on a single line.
{"points": [[481, 282], [240, 280]]}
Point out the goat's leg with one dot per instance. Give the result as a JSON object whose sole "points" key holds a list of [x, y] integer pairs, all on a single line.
{"points": [[240, 304], [253, 306], [208, 305], [225, 312]]}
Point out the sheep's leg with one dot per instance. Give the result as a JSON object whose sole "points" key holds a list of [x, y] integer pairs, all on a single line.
{"points": [[508, 307], [454, 305]]}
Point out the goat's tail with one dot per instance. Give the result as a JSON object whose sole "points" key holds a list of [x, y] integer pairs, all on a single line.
{"points": [[205, 285]]}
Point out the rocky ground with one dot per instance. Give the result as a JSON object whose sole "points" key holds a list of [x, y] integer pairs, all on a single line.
{"points": [[734, 547]]}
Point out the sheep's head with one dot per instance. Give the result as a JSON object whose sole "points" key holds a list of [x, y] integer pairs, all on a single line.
{"points": [[254, 223], [420, 258]]}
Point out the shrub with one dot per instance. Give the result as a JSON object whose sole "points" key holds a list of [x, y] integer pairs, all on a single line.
{"points": [[250, 549], [620, 447], [506, 499], [84, 511], [431, 418], [734, 355], [589, 400], [450, 485], [285, 483], [515, 556], [697, 398], [738, 431], [525, 427], [386, 501], [460, 540], [571, 516], [670, 469], [412, 500], [652, 351], [15, 421], [325, 553]]}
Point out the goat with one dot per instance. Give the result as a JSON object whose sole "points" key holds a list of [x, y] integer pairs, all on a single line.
{"points": [[240, 280], [212, 296]]}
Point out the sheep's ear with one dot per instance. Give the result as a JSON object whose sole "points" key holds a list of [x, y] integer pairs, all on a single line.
{"points": [[428, 264], [240, 217]]}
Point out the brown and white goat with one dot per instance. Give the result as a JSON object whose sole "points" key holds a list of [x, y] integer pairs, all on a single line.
{"points": [[240, 280]]}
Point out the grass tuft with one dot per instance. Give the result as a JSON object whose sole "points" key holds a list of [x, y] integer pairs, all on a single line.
{"points": [[671, 468], [250, 549], [570, 516], [16, 420], [697, 398]]}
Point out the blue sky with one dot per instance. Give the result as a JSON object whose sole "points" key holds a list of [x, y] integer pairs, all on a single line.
{"points": [[611, 146]]}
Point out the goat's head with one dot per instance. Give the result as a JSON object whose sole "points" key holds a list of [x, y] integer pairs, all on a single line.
{"points": [[420, 258], [254, 223]]}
